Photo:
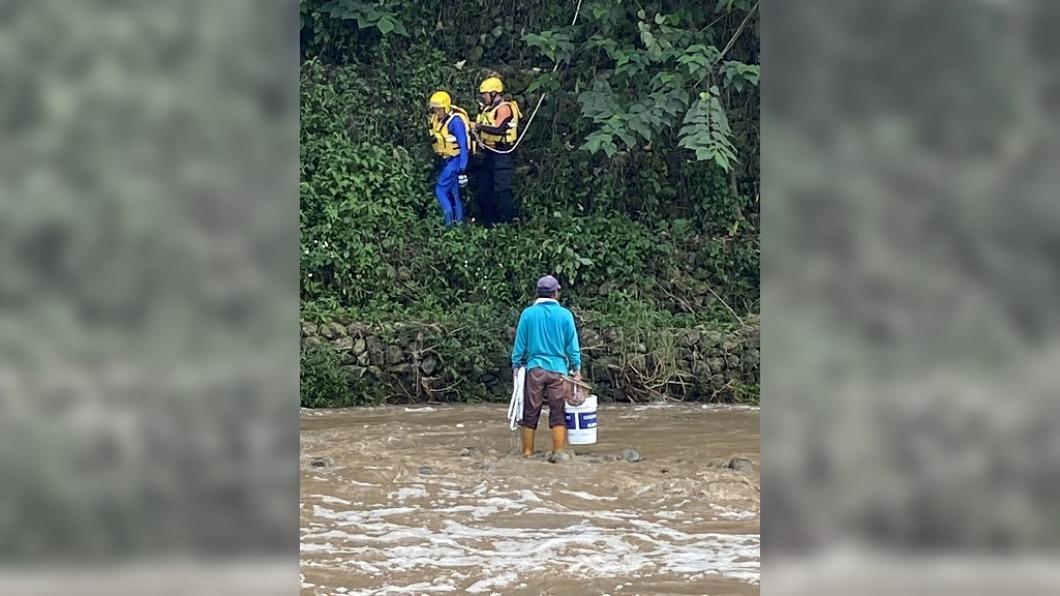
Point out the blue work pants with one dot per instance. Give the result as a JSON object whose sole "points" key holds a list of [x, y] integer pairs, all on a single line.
{"points": [[447, 191]]}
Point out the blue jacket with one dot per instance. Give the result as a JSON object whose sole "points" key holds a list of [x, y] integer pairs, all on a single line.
{"points": [[546, 338]]}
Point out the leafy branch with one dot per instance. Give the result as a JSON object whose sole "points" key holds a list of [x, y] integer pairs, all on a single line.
{"points": [[706, 131], [646, 79], [366, 15]]}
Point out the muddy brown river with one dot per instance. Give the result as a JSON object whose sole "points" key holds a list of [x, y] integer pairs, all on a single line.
{"points": [[435, 499]]}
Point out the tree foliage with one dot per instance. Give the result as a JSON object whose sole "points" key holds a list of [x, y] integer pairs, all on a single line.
{"points": [[652, 76], [637, 180]]}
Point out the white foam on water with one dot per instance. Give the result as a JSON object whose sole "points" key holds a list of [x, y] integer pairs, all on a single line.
{"points": [[499, 581], [456, 509], [358, 516], [484, 512], [368, 567], [587, 496], [425, 409], [463, 544], [330, 534], [578, 548], [731, 407], [441, 548], [408, 492], [732, 514], [529, 496], [502, 503], [418, 588], [312, 547], [619, 516]]}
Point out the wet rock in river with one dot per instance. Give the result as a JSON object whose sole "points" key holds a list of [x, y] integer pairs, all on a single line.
{"points": [[469, 451], [556, 457], [426, 471], [322, 462], [741, 465], [488, 467], [631, 456]]}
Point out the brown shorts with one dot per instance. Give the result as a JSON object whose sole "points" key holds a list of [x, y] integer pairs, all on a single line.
{"points": [[543, 384]]}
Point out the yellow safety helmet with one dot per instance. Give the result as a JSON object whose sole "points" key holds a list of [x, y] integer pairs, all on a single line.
{"points": [[491, 85], [441, 99]]}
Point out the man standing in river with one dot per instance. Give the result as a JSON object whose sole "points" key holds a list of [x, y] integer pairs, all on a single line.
{"points": [[546, 343]]}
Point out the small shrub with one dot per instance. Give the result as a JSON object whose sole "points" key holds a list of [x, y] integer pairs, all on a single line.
{"points": [[323, 383]]}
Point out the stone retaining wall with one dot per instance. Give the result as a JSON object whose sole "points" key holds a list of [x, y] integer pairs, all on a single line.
{"points": [[420, 362]]}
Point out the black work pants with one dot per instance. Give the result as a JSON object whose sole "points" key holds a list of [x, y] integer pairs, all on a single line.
{"points": [[494, 190]]}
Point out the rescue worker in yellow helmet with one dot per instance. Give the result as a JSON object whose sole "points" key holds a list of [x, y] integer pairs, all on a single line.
{"points": [[449, 132], [497, 127]]}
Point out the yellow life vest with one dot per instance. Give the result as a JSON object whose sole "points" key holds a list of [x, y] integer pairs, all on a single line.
{"points": [[444, 143], [489, 118]]}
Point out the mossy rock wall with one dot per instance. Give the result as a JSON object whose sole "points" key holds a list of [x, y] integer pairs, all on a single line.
{"points": [[416, 362]]}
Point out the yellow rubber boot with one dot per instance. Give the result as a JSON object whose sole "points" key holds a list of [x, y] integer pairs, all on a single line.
{"points": [[559, 438], [528, 441]]}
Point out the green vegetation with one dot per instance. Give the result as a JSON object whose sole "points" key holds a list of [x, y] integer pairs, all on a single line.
{"points": [[637, 182]]}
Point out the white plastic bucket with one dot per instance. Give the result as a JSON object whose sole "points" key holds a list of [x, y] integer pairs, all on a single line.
{"points": [[581, 422]]}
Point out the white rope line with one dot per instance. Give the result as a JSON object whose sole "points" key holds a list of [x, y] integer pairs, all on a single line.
{"points": [[515, 407]]}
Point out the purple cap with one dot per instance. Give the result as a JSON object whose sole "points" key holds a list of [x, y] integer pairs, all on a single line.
{"points": [[548, 284]]}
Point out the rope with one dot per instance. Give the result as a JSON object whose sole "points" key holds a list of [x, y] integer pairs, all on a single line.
{"points": [[529, 120], [515, 407], [732, 41], [739, 30]]}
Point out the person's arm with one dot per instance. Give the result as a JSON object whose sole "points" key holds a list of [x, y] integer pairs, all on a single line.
{"points": [[456, 127], [519, 348], [504, 114], [574, 352]]}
